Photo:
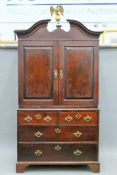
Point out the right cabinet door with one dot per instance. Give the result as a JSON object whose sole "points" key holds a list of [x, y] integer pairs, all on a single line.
{"points": [[78, 73]]}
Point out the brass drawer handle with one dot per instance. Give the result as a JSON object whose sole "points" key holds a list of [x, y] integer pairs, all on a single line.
{"points": [[57, 147], [77, 152], [38, 134], [77, 133], [87, 118], [57, 130], [68, 118], [61, 73], [47, 118], [55, 73], [38, 152], [28, 118], [38, 116], [78, 116]]}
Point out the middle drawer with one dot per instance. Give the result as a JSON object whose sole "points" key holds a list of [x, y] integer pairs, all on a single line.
{"points": [[63, 133]]}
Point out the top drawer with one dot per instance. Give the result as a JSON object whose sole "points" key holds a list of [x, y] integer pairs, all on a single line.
{"points": [[36, 117], [78, 117]]}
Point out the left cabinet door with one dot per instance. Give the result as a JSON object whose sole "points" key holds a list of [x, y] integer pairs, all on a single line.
{"points": [[38, 65]]}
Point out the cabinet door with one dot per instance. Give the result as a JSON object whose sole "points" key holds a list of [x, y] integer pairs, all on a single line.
{"points": [[37, 61], [78, 73]]}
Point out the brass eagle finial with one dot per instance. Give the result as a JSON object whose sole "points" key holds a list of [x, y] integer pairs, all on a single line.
{"points": [[57, 11]]}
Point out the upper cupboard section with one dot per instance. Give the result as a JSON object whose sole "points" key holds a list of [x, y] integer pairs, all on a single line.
{"points": [[58, 68]]}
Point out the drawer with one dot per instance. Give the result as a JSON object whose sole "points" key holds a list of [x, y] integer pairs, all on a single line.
{"points": [[78, 117], [36, 117], [63, 133], [57, 152]]}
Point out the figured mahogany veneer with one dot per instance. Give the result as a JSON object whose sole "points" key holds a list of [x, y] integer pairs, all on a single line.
{"points": [[58, 116]]}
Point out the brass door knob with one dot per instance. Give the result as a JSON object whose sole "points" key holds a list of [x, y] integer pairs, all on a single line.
{"points": [[61, 73], [55, 73]]}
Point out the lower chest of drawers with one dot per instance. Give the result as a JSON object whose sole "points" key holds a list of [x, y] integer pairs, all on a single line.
{"points": [[58, 136]]}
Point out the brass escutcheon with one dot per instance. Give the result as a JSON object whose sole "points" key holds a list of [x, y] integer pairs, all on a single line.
{"points": [[77, 152], [87, 118], [38, 152], [28, 118], [77, 133], [68, 118], [57, 130], [78, 116], [38, 134], [38, 116], [57, 147], [47, 118]]}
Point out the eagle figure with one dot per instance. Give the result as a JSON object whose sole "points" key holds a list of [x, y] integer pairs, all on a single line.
{"points": [[57, 11]]}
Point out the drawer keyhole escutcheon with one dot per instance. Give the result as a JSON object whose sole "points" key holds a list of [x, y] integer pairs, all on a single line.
{"points": [[68, 118], [58, 130], [28, 118], [78, 116], [38, 116], [47, 118], [88, 118], [77, 133], [57, 147], [77, 152], [38, 134], [38, 152]]}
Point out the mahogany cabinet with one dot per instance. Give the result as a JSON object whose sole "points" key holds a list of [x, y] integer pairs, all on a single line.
{"points": [[58, 116]]}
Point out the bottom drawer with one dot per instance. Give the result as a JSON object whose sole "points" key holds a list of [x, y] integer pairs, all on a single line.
{"points": [[57, 152]]}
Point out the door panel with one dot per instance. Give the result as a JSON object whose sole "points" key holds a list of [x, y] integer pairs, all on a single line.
{"points": [[38, 72], [78, 70], [79, 63], [37, 86]]}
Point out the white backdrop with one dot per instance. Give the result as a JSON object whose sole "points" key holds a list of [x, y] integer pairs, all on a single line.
{"points": [[21, 14]]}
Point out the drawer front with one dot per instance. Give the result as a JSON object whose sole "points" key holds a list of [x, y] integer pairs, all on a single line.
{"points": [[63, 133], [78, 117], [36, 117], [57, 152]]}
